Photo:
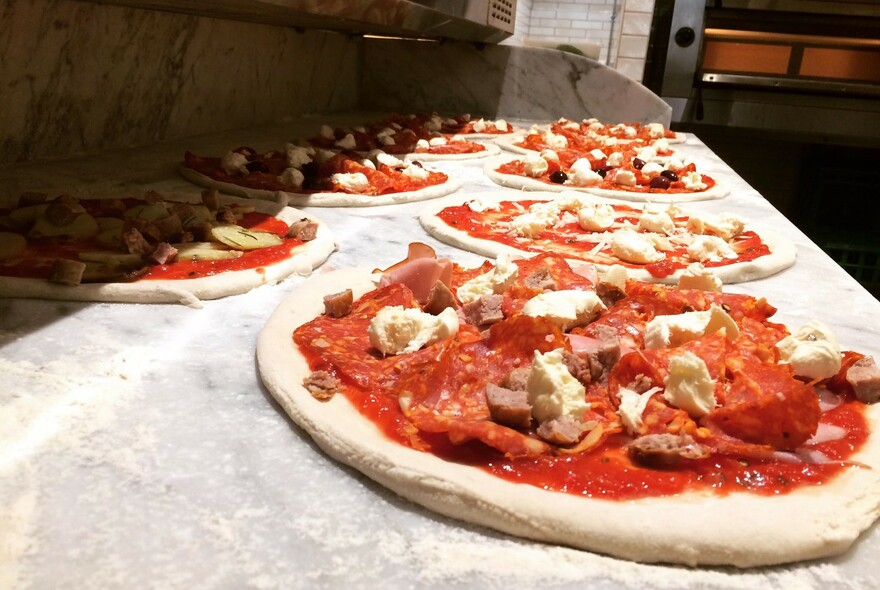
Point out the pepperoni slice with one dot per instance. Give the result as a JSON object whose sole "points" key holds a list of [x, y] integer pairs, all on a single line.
{"points": [[765, 404]]}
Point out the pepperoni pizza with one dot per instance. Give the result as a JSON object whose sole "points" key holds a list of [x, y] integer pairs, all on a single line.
{"points": [[644, 421]]}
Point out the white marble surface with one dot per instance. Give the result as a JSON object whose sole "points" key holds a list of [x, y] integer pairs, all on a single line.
{"points": [[499, 81], [138, 448], [83, 77]]}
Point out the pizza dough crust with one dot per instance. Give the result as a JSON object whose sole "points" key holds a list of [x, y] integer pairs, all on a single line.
{"points": [[739, 529], [322, 199], [303, 260], [782, 251], [719, 191]]}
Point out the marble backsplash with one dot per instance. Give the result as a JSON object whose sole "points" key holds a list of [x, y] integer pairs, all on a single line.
{"points": [[82, 77], [500, 80]]}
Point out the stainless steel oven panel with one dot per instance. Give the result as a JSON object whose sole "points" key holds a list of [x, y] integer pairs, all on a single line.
{"points": [[683, 51]]}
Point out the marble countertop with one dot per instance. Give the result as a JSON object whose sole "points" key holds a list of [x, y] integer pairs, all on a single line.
{"points": [[138, 448]]}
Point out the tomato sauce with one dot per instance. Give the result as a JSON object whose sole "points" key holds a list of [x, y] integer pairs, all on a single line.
{"points": [[571, 241]]}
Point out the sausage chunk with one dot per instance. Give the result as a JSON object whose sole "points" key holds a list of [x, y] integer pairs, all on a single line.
{"points": [[509, 407], [339, 304], [864, 376], [485, 310], [561, 431], [322, 385], [665, 450]]}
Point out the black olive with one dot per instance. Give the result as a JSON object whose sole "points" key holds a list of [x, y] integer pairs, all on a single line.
{"points": [[558, 177], [256, 166], [638, 163], [660, 182], [602, 171], [670, 175]]}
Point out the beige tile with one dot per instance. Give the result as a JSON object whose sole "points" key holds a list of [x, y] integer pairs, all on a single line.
{"points": [[631, 68], [635, 46], [636, 23]]}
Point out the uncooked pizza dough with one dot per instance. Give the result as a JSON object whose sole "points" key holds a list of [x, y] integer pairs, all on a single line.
{"points": [[782, 251], [718, 191], [323, 199], [302, 261], [738, 529]]}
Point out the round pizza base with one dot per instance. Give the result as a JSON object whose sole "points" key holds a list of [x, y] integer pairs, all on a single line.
{"points": [[322, 199], [738, 529], [719, 191], [782, 251], [509, 142], [302, 260], [491, 150]]}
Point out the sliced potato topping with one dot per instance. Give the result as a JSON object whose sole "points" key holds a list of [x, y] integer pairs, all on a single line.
{"points": [[194, 251], [240, 238]]}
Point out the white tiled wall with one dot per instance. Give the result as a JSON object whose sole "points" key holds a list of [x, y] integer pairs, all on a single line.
{"points": [[591, 21]]}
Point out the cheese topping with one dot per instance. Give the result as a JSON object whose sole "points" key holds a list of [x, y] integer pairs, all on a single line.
{"points": [[725, 226], [710, 248], [689, 385], [496, 280], [615, 159], [480, 205], [538, 218], [415, 172], [634, 247], [501, 125], [658, 222], [812, 351], [615, 276], [347, 143], [567, 309], [399, 330], [535, 165], [422, 144], [479, 125], [437, 141], [555, 141], [596, 217], [632, 407], [625, 178], [234, 163], [652, 168], [693, 181], [669, 331], [553, 392], [550, 155], [297, 157], [656, 130], [581, 174], [355, 182], [697, 276], [598, 154], [291, 177]]}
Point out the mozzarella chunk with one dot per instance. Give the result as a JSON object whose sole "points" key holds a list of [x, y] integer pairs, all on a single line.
{"points": [[234, 163], [625, 178], [662, 144], [647, 153], [291, 177], [553, 392], [658, 222], [480, 205], [689, 385], [693, 181], [535, 165], [656, 130], [581, 174], [615, 159], [615, 276], [710, 248], [537, 219], [609, 141], [725, 226], [415, 172], [812, 351], [669, 331], [496, 280], [697, 276], [555, 141], [479, 125], [355, 182], [297, 156], [596, 216], [399, 330], [629, 132], [652, 168], [634, 247], [437, 141], [347, 143], [327, 132], [598, 154], [632, 407], [567, 309], [501, 125], [550, 155], [571, 125], [422, 144]]}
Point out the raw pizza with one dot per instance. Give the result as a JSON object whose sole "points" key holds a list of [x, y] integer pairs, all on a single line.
{"points": [[654, 244], [583, 137], [631, 174], [303, 175], [153, 249], [423, 137], [638, 420]]}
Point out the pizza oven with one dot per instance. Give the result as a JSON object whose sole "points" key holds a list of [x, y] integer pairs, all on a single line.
{"points": [[788, 92]]}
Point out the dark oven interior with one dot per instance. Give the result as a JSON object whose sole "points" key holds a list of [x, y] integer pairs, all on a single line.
{"points": [[788, 93]]}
